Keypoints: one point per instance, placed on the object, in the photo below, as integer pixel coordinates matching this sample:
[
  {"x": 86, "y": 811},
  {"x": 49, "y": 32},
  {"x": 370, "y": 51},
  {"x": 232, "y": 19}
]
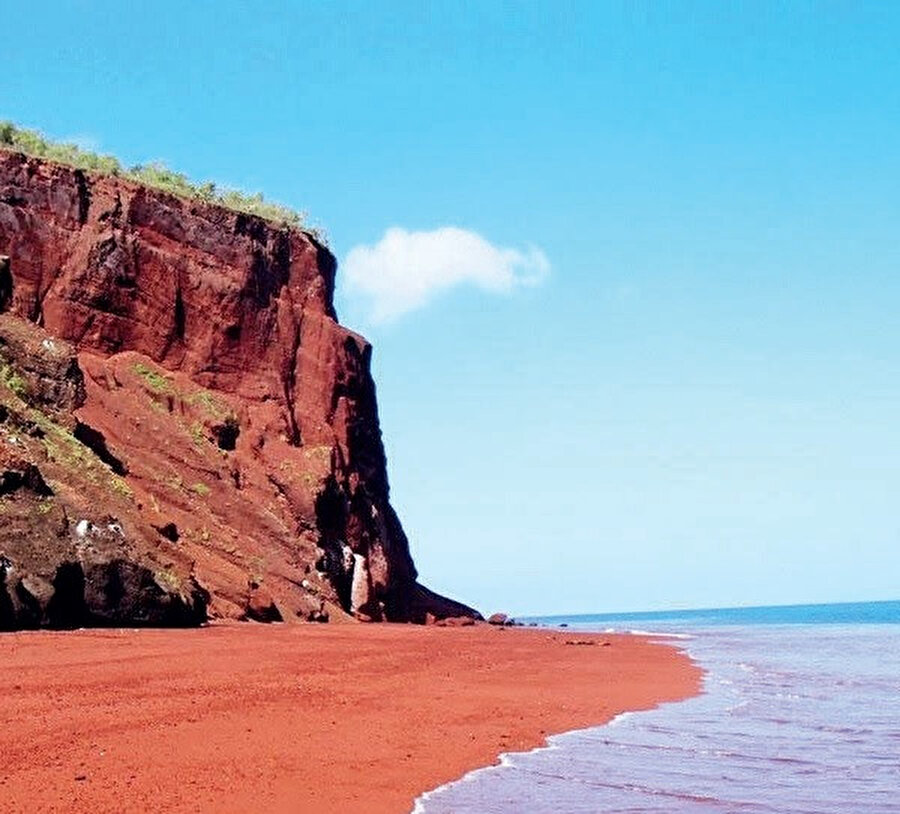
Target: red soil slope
[{"x": 322, "y": 719}]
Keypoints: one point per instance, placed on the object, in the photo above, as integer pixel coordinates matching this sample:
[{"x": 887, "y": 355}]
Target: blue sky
[{"x": 667, "y": 375}]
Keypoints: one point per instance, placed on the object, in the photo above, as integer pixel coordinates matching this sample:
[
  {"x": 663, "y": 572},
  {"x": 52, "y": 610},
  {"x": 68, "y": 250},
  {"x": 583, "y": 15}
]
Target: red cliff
[{"x": 232, "y": 419}]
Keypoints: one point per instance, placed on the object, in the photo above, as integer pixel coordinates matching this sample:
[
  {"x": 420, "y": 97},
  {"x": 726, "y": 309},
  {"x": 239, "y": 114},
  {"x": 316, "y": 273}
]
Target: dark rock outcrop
[
  {"x": 5, "y": 284},
  {"x": 66, "y": 557},
  {"x": 47, "y": 369},
  {"x": 214, "y": 395}
]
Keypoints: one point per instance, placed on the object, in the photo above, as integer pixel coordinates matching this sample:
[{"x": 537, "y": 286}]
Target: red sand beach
[{"x": 332, "y": 718}]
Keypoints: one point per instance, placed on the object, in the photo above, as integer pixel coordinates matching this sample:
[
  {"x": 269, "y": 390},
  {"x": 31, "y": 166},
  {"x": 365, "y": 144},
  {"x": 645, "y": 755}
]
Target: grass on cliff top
[{"x": 154, "y": 174}]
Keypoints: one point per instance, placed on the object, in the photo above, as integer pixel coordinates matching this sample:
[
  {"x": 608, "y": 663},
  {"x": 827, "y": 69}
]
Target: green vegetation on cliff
[{"x": 155, "y": 174}]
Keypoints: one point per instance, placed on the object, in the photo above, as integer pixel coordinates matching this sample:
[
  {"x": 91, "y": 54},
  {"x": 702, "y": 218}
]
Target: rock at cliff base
[{"x": 261, "y": 607}]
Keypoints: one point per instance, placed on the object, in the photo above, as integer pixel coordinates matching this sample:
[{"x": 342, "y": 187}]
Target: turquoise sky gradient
[{"x": 698, "y": 405}]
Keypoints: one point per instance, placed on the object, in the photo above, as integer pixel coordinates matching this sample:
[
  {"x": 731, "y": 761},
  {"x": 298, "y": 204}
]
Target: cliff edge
[{"x": 185, "y": 429}]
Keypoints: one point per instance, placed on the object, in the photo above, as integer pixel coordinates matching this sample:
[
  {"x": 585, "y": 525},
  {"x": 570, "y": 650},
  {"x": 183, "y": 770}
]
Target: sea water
[{"x": 800, "y": 715}]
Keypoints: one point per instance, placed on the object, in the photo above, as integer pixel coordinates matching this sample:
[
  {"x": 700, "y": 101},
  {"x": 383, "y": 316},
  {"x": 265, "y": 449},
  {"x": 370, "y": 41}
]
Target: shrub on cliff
[
  {"x": 33, "y": 143},
  {"x": 155, "y": 174}
]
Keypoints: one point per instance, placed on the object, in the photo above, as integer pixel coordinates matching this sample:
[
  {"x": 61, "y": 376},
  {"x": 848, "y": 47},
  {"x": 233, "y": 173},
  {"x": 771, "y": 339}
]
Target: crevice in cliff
[
  {"x": 112, "y": 277},
  {"x": 289, "y": 383},
  {"x": 227, "y": 433},
  {"x": 178, "y": 331},
  {"x": 279, "y": 486},
  {"x": 348, "y": 386},
  {"x": 113, "y": 215},
  {"x": 96, "y": 442},
  {"x": 36, "y": 312},
  {"x": 327, "y": 265},
  {"x": 250, "y": 225},
  {"x": 6, "y": 283},
  {"x": 268, "y": 275},
  {"x": 84, "y": 197},
  {"x": 180, "y": 316},
  {"x": 336, "y": 561}
]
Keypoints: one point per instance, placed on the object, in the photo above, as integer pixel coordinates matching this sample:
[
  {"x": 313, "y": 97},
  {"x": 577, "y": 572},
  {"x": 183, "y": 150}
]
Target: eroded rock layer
[{"x": 220, "y": 427}]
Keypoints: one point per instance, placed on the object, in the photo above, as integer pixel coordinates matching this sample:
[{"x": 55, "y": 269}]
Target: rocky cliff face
[{"x": 221, "y": 451}]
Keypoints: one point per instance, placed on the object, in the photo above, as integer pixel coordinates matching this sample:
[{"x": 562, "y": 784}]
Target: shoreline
[
  {"x": 331, "y": 718},
  {"x": 503, "y": 759}
]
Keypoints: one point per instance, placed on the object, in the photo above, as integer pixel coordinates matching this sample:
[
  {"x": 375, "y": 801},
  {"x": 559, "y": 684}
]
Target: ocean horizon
[
  {"x": 799, "y": 714},
  {"x": 882, "y": 611}
]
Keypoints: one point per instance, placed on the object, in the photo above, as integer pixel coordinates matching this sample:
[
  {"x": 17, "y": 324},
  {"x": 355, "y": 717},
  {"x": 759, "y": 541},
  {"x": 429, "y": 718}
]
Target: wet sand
[{"x": 331, "y": 718}]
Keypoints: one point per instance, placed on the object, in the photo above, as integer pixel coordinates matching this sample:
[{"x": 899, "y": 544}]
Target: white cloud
[{"x": 406, "y": 270}]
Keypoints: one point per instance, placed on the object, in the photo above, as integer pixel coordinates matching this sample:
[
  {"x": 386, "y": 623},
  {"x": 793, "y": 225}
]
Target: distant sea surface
[{"x": 800, "y": 715}]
